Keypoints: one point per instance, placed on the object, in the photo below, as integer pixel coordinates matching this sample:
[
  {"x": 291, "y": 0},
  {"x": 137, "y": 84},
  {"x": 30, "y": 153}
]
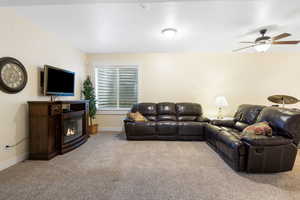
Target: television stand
[{"x": 54, "y": 132}]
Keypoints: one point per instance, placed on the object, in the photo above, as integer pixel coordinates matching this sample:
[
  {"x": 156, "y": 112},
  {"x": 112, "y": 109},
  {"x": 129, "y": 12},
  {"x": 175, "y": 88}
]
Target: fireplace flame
[{"x": 70, "y": 131}]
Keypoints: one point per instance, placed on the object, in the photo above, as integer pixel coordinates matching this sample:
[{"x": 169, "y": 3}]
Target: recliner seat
[{"x": 254, "y": 153}]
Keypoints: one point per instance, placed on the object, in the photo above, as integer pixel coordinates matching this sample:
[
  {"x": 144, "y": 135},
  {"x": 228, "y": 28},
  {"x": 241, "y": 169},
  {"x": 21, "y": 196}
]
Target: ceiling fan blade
[
  {"x": 243, "y": 48},
  {"x": 247, "y": 42},
  {"x": 285, "y": 42},
  {"x": 283, "y": 35}
]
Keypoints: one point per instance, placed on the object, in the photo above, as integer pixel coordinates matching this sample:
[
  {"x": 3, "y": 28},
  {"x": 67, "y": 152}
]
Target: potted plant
[{"x": 89, "y": 94}]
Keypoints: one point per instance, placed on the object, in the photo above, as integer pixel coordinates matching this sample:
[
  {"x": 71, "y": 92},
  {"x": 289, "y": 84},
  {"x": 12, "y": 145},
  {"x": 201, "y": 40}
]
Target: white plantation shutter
[
  {"x": 127, "y": 87},
  {"x": 116, "y": 87}
]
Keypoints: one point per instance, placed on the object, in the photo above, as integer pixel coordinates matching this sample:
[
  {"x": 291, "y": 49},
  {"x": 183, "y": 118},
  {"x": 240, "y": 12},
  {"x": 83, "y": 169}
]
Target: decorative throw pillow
[
  {"x": 131, "y": 115},
  {"x": 137, "y": 116},
  {"x": 261, "y": 128}
]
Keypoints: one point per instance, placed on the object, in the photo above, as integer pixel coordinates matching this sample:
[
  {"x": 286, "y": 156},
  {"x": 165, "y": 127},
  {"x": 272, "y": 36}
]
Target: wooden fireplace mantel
[{"x": 46, "y": 127}]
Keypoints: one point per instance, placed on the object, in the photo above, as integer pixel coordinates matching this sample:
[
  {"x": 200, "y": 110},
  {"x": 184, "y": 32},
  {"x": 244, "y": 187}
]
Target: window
[{"x": 116, "y": 87}]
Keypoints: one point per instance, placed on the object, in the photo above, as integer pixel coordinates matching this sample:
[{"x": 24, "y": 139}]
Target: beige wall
[
  {"x": 34, "y": 48},
  {"x": 110, "y": 122},
  {"x": 199, "y": 77}
]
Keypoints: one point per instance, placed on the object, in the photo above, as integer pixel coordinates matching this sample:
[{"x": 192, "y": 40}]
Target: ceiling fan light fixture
[
  {"x": 262, "y": 47},
  {"x": 263, "y": 43},
  {"x": 169, "y": 32}
]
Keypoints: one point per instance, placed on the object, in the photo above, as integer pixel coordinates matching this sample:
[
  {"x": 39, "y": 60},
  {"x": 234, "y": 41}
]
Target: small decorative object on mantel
[
  {"x": 89, "y": 94},
  {"x": 221, "y": 102},
  {"x": 13, "y": 75},
  {"x": 283, "y": 99}
]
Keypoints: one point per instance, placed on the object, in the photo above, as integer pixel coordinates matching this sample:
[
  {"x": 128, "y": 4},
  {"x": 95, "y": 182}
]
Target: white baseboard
[
  {"x": 115, "y": 129},
  {"x": 10, "y": 162}
]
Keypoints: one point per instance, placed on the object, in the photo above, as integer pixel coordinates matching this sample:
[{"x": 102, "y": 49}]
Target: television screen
[{"x": 58, "y": 82}]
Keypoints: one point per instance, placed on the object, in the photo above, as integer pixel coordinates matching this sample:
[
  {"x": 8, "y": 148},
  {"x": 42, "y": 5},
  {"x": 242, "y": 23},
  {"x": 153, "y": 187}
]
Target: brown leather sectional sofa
[{"x": 251, "y": 153}]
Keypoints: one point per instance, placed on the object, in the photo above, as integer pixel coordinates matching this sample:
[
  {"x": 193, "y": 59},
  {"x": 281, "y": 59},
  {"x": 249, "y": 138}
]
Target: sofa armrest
[
  {"x": 262, "y": 140},
  {"x": 223, "y": 122},
  {"x": 202, "y": 119},
  {"x": 128, "y": 120}
]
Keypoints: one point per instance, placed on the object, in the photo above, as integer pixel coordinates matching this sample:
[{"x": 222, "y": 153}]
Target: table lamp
[{"x": 220, "y": 102}]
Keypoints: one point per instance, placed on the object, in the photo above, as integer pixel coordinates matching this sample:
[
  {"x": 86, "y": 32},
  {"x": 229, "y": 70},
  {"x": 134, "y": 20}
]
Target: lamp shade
[{"x": 221, "y": 102}]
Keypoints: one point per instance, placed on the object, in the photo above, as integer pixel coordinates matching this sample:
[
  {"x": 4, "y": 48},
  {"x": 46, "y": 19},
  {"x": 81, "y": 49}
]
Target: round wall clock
[{"x": 13, "y": 75}]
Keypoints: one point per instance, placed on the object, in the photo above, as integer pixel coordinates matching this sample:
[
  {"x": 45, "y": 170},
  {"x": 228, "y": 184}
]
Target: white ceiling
[{"x": 103, "y": 26}]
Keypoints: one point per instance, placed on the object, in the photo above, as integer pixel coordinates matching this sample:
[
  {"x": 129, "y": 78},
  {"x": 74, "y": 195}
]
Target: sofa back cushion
[
  {"x": 148, "y": 110},
  {"x": 240, "y": 125},
  {"x": 166, "y": 111},
  {"x": 188, "y": 111},
  {"x": 247, "y": 113},
  {"x": 284, "y": 122}
]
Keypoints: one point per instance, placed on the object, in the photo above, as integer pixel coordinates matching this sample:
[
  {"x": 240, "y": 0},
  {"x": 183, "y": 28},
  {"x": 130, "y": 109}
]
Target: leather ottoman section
[
  {"x": 166, "y": 128},
  {"x": 191, "y": 129}
]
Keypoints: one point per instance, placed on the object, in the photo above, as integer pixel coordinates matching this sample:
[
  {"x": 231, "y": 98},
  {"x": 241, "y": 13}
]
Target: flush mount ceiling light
[{"x": 169, "y": 32}]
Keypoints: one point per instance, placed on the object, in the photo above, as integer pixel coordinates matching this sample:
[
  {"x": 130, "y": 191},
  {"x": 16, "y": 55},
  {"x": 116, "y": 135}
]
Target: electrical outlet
[{"x": 7, "y": 148}]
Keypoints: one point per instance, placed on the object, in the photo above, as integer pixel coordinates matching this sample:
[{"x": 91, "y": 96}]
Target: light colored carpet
[{"x": 108, "y": 167}]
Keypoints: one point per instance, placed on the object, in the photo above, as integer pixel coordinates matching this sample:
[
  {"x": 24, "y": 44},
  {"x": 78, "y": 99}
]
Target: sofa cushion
[
  {"x": 141, "y": 128},
  {"x": 166, "y": 128},
  {"x": 202, "y": 119},
  {"x": 166, "y": 118},
  {"x": 151, "y": 118},
  {"x": 260, "y": 128},
  {"x": 240, "y": 125},
  {"x": 189, "y": 109},
  {"x": 223, "y": 122},
  {"x": 166, "y": 108},
  {"x": 230, "y": 145},
  {"x": 190, "y": 128},
  {"x": 187, "y": 118},
  {"x": 145, "y": 109},
  {"x": 229, "y": 129},
  {"x": 248, "y": 113}
]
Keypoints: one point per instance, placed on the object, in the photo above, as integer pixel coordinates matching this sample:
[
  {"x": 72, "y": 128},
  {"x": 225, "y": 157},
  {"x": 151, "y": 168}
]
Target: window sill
[{"x": 112, "y": 112}]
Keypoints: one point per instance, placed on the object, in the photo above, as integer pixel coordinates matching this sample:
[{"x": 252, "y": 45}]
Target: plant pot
[{"x": 93, "y": 129}]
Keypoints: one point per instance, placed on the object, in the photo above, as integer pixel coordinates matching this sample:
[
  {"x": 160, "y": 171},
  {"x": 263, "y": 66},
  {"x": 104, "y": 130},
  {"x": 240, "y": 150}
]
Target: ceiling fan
[{"x": 263, "y": 43}]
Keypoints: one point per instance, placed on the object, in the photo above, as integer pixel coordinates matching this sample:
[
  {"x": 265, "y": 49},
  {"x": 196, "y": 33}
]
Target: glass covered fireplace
[{"x": 72, "y": 129}]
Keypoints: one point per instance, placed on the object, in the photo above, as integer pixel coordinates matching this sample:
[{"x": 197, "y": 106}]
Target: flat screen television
[{"x": 58, "y": 82}]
